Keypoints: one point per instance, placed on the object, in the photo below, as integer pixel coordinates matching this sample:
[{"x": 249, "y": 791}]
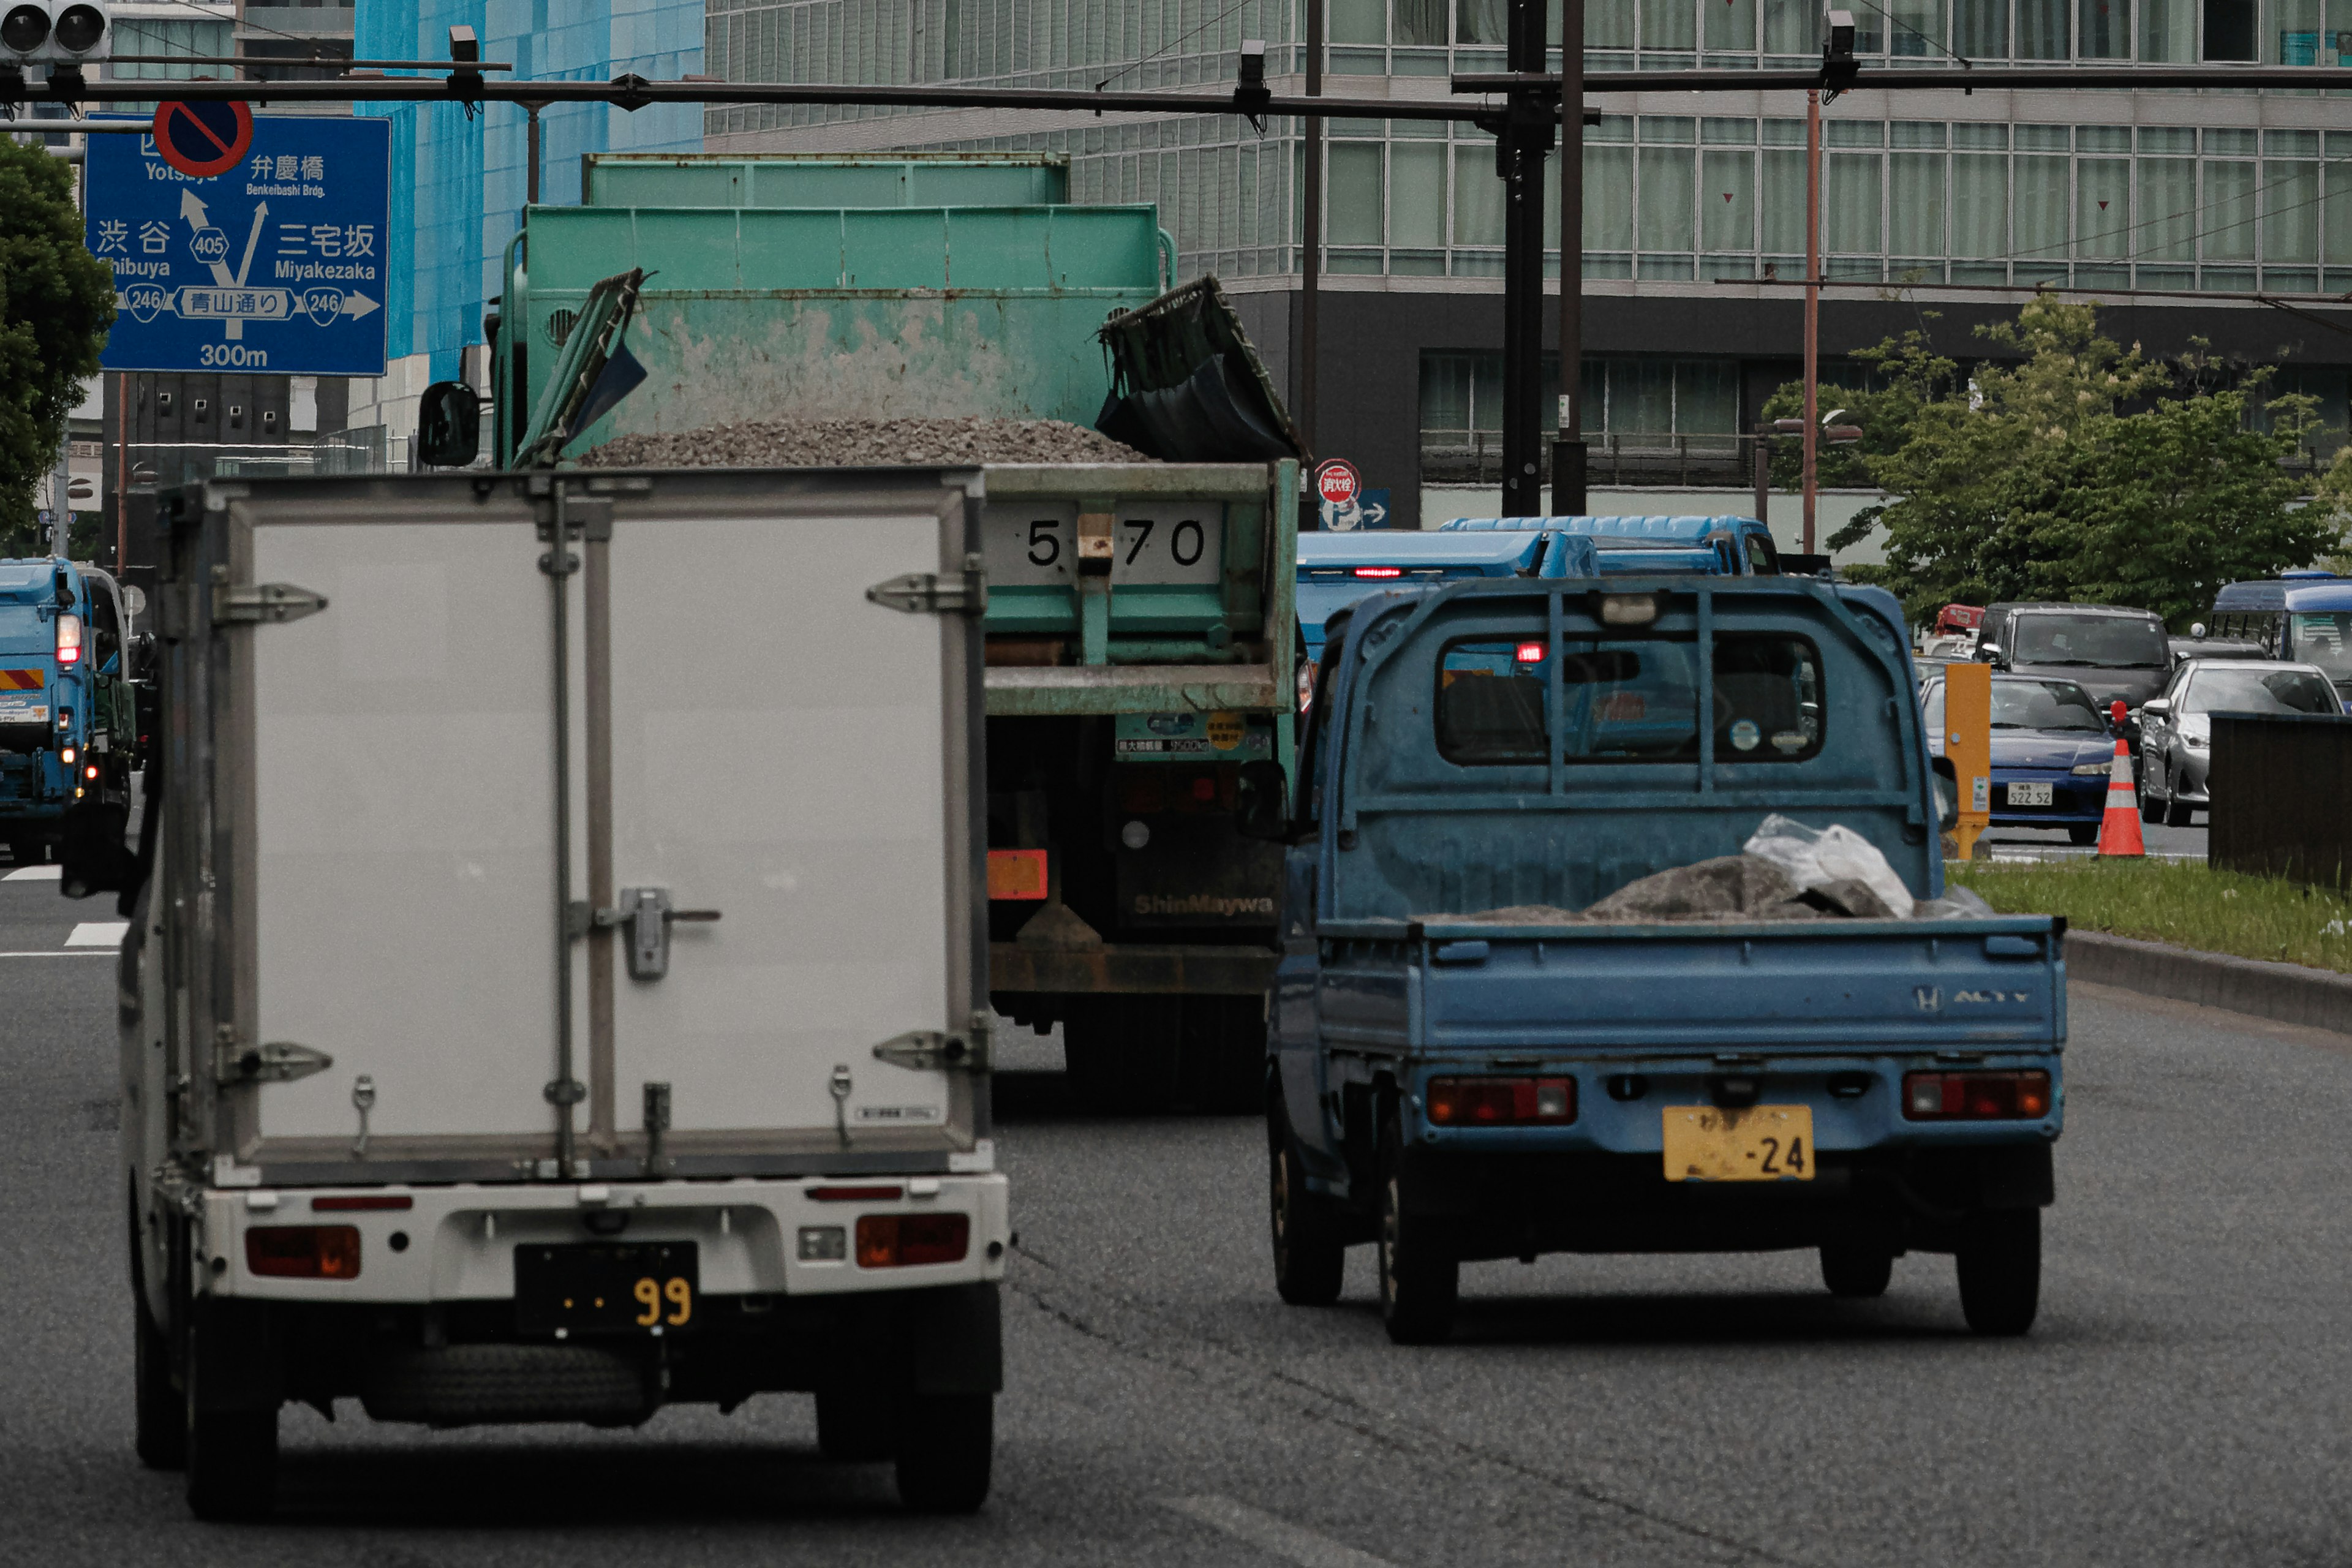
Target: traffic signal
[{"x": 56, "y": 31}]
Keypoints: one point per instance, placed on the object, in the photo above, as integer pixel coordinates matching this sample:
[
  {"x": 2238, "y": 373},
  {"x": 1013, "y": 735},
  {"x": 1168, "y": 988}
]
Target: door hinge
[
  {"x": 961, "y": 592},
  {"x": 275, "y": 603},
  {"x": 273, "y": 1061},
  {"x": 934, "y": 1048}
]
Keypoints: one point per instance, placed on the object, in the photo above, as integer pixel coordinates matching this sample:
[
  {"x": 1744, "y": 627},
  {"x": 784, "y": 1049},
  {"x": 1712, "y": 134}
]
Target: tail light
[
  {"x": 904, "y": 1240},
  {"x": 1380, "y": 571},
  {"x": 303, "y": 1251},
  {"x": 1975, "y": 1096},
  {"x": 68, "y": 639},
  {"x": 1502, "y": 1101},
  {"x": 1529, "y": 653}
]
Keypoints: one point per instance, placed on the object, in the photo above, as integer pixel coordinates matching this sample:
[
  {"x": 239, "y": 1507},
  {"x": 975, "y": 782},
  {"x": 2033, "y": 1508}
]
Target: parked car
[
  {"x": 2051, "y": 753},
  {"x": 2199, "y": 644},
  {"x": 2109, "y": 650},
  {"x": 2176, "y": 726}
]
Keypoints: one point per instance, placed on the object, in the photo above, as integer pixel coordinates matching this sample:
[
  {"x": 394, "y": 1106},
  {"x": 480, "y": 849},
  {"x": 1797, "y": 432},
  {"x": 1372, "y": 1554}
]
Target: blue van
[
  {"x": 1725, "y": 546},
  {"x": 1335, "y": 569},
  {"x": 2303, "y": 615}
]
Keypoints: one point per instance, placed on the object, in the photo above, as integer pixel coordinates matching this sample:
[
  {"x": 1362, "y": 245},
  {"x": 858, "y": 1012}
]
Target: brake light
[
  {"x": 1975, "y": 1096},
  {"x": 304, "y": 1251},
  {"x": 1380, "y": 571},
  {"x": 904, "y": 1240},
  {"x": 68, "y": 639},
  {"x": 1529, "y": 653},
  {"x": 363, "y": 1201},
  {"x": 90, "y": 772},
  {"x": 1502, "y": 1101}
]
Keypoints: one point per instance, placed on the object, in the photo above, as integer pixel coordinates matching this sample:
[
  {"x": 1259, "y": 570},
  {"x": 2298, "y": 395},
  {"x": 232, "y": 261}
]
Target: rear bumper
[
  {"x": 1131, "y": 969},
  {"x": 457, "y": 1244}
]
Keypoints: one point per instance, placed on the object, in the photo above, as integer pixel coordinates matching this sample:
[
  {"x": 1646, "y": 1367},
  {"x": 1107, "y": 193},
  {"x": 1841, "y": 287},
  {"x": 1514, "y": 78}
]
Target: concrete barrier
[{"x": 2286, "y": 992}]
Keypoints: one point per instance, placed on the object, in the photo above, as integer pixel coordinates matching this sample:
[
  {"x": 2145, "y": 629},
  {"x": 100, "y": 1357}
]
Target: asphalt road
[{"x": 2185, "y": 1398}]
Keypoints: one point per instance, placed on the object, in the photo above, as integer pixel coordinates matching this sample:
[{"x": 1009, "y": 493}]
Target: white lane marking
[
  {"x": 99, "y": 933},
  {"x": 71, "y": 952},
  {"x": 1268, "y": 1533},
  {"x": 34, "y": 874}
]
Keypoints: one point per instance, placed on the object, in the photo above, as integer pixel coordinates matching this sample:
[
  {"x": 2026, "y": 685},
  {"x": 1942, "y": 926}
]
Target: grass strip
[{"x": 2182, "y": 903}]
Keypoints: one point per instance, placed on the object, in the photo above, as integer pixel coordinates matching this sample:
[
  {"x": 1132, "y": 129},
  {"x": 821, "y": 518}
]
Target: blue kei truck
[
  {"x": 1468, "y": 1062},
  {"x": 69, "y": 725}
]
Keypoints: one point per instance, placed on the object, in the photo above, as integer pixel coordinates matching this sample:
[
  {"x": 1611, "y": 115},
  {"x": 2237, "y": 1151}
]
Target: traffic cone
[{"x": 2119, "y": 829}]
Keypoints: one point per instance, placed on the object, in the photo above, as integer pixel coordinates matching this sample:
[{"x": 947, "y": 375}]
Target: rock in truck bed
[{"x": 856, "y": 443}]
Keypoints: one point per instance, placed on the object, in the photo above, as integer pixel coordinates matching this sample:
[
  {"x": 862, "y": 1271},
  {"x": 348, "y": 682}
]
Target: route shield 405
[{"x": 277, "y": 263}]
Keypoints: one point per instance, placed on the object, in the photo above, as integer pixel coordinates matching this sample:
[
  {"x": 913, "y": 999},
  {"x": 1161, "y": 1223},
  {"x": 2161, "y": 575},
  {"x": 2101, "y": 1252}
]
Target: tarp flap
[{"x": 1189, "y": 386}]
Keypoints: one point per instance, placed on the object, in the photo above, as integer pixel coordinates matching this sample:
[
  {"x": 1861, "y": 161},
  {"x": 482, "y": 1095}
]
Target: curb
[{"x": 2289, "y": 993}]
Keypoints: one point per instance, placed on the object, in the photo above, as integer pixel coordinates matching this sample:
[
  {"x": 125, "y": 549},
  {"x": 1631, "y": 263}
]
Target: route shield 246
[{"x": 276, "y": 264}]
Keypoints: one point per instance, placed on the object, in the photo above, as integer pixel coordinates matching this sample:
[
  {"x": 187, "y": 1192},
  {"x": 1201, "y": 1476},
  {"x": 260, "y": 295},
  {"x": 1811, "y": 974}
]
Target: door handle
[{"x": 648, "y": 914}]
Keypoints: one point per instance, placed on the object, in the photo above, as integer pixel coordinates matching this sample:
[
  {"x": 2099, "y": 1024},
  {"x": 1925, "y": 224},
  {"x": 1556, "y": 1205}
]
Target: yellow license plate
[{"x": 1761, "y": 1143}]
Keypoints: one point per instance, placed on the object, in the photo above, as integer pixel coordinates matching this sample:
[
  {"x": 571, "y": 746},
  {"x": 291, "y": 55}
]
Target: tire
[
  {"x": 232, "y": 1463},
  {"x": 946, "y": 1443},
  {"x": 1420, "y": 1276},
  {"x": 163, "y": 1422},
  {"x": 1999, "y": 1265},
  {"x": 854, "y": 1428},
  {"x": 2175, "y": 810},
  {"x": 2151, "y": 809},
  {"x": 1124, "y": 1053},
  {"x": 2084, "y": 833},
  {"x": 27, "y": 849},
  {"x": 1857, "y": 1273},
  {"x": 1223, "y": 1065},
  {"x": 1309, "y": 1260}
]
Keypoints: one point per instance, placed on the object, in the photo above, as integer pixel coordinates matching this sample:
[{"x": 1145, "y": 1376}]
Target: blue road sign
[{"x": 276, "y": 264}]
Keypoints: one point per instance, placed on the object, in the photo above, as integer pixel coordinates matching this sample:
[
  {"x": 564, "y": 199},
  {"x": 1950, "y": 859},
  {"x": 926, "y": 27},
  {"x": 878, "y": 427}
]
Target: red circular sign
[
  {"x": 202, "y": 138},
  {"x": 1337, "y": 482}
]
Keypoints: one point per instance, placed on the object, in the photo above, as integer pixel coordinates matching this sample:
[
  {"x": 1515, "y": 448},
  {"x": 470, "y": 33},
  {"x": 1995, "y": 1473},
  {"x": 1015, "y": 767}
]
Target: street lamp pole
[
  {"x": 1812, "y": 306},
  {"x": 1310, "y": 301},
  {"x": 1567, "y": 495}
]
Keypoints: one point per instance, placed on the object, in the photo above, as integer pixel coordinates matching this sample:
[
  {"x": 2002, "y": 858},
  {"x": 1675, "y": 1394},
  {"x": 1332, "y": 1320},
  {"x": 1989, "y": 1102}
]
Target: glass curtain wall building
[{"x": 2213, "y": 191}]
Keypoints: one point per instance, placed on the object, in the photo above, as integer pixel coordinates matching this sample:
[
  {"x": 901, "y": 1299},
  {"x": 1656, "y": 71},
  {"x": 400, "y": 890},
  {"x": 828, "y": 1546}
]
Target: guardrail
[{"x": 2280, "y": 783}]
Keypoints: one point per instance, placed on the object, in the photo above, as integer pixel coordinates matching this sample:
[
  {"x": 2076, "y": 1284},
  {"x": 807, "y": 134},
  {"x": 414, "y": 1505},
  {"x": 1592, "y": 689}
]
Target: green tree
[
  {"x": 57, "y": 301},
  {"x": 2028, "y": 481}
]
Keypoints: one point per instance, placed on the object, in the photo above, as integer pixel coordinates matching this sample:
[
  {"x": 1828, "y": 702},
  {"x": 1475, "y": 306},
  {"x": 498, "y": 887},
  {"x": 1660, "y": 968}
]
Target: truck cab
[
  {"x": 1466, "y": 1064},
  {"x": 1725, "y": 546},
  {"x": 67, "y": 727}
]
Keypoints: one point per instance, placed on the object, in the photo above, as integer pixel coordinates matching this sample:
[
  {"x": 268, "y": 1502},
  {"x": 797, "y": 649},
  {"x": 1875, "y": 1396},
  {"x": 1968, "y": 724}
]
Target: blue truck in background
[
  {"x": 1726, "y": 546},
  {"x": 1462, "y": 1066},
  {"x": 68, "y": 723},
  {"x": 1335, "y": 569}
]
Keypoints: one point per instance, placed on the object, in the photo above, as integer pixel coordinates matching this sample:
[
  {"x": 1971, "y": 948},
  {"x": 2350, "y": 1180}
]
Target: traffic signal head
[{"x": 56, "y": 31}]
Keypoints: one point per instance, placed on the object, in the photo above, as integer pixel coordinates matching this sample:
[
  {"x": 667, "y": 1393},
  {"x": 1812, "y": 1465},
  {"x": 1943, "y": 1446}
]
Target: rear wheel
[
  {"x": 232, "y": 1462},
  {"x": 1856, "y": 1272},
  {"x": 2151, "y": 805},
  {"x": 853, "y": 1428},
  {"x": 1309, "y": 1261},
  {"x": 2175, "y": 810},
  {"x": 946, "y": 1443},
  {"x": 163, "y": 1424},
  {"x": 1124, "y": 1052},
  {"x": 27, "y": 849},
  {"x": 1420, "y": 1276},
  {"x": 1999, "y": 1265}
]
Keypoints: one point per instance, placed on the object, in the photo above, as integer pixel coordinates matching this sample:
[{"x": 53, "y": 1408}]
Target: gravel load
[{"x": 856, "y": 443}]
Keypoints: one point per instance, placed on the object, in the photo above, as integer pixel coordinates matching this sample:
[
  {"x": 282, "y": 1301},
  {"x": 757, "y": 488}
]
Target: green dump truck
[{"x": 1140, "y": 628}]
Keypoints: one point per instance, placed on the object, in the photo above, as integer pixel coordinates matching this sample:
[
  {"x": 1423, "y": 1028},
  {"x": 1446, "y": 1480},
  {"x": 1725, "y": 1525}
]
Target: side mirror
[
  {"x": 62, "y": 588},
  {"x": 1947, "y": 801},
  {"x": 93, "y": 857},
  {"x": 2157, "y": 707},
  {"x": 449, "y": 425},
  {"x": 1258, "y": 799},
  {"x": 1989, "y": 653}
]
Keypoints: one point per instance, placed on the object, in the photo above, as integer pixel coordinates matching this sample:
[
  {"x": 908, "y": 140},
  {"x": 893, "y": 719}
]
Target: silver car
[{"x": 2177, "y": 724}]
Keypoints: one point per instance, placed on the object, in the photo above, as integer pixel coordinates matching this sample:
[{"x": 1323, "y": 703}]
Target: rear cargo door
[{"x": 791, "y": 785}]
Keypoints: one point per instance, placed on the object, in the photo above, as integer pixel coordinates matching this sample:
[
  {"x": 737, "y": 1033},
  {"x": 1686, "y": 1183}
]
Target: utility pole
[
  {"x": 531, "y": 109},
  {"x": 1812, "y": 306},
  {"x": 1311, "y": 139},
  {"x": 1523, "y": 138},
  {"x": 1568, "y": 498}
]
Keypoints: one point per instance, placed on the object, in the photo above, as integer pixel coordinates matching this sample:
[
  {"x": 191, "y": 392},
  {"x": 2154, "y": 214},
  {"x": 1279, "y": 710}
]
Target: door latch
[{"x": 646, "y": 915}]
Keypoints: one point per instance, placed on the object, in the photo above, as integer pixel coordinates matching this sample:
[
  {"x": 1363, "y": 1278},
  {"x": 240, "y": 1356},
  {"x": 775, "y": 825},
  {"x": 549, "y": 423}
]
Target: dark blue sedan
[{"x": 2051, "y": 753}]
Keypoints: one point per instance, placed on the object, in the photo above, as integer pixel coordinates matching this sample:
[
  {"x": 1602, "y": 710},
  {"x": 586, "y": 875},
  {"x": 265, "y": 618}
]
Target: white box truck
[{"x": 556, "y": 984}]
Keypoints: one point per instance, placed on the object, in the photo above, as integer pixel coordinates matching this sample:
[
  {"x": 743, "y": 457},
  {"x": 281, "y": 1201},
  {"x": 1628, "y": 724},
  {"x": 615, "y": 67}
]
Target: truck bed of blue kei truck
[{"x": 1564, "y": 969}]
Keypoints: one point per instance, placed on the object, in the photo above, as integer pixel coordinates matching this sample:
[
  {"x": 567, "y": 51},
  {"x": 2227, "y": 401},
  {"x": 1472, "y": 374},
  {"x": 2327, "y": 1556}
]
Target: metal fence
[{"x": 2281, "y": 783}]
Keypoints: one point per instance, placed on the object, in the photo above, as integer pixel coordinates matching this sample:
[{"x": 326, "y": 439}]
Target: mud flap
[
  {"x": 953, "y": 1339},
  {"x": 236, "y": 1364}
]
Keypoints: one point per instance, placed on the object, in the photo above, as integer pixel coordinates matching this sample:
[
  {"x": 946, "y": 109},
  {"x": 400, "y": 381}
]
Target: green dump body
[
  {"x": 833, "y": 312},
  {"x": 828, "y": 180}
]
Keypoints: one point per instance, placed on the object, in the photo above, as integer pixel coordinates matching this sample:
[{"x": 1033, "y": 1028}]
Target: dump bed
[{"x": 526, "y": 858}]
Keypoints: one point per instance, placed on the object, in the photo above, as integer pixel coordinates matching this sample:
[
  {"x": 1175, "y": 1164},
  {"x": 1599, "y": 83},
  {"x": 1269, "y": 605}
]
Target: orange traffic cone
[{"x": 2119, "y": 829}]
